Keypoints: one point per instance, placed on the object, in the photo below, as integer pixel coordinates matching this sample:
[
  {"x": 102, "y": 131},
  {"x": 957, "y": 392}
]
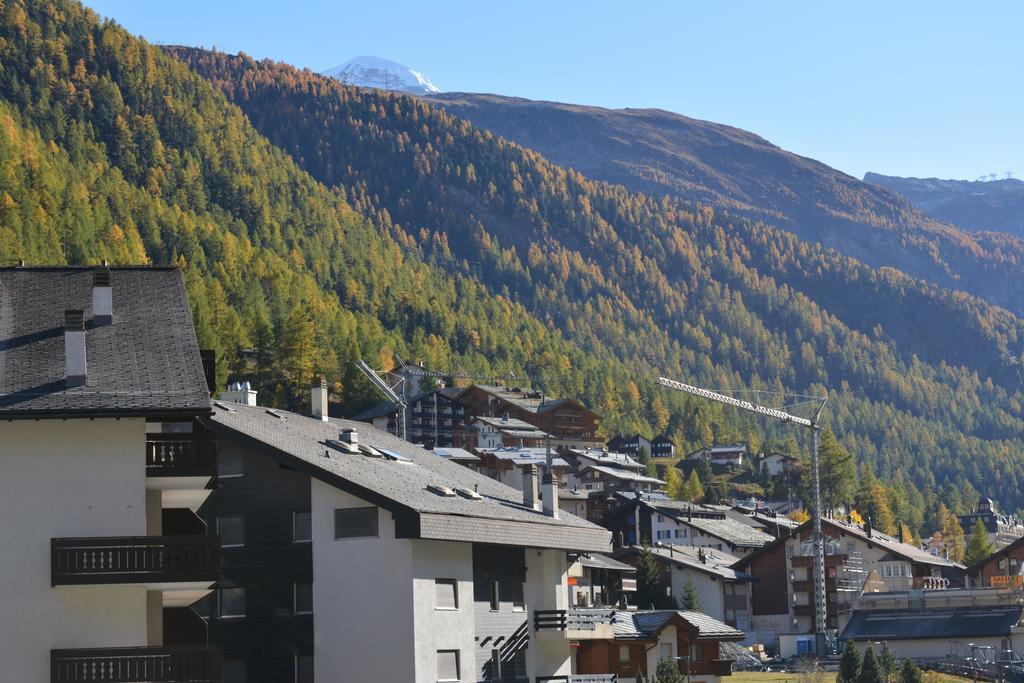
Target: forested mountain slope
[
  {"x": 996, "y": 205},
  {"x": 659, "y": 152},
  {"x": 922, "y": 379}
]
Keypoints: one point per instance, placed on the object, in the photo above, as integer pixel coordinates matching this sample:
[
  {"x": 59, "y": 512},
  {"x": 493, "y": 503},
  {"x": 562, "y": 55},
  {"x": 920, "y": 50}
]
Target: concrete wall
[
  {"x": 709, "y": 590},
  {"x": 436, "y": 629},
  {"x": 546, "y": 573},
  {"x": 66, "y": 479},
  {"x": 363, "y": 627}
]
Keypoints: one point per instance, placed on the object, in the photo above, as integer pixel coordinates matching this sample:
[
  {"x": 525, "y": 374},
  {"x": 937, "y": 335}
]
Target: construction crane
[
  {"x": 817, "y": 541},
  {"x": 394, "y": 393}
]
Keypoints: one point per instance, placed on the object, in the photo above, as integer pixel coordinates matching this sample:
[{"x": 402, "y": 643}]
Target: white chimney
[
  {"x": 531, "y": 499},
  {"x": 550, "y": 491},
  {"x": 350, "y": 436},
  {"x": 102, "y": 296},
  {"x": 239, "y": 392},
  {"x": 74, "y": 348},
  {"x": 318, "y": 398}
]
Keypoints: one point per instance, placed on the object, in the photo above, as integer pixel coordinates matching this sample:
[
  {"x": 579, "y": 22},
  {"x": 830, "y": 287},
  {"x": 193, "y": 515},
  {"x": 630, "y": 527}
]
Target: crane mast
[
  {"x": 817, "y": 540},
  {"x": 390, "y": 391}
]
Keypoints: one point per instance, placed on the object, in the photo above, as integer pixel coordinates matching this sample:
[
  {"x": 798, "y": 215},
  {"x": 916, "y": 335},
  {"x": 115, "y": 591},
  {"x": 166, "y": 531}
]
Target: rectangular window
[
  {"x": 518, "y": 597},
  {"x": 666, "y": 651},
  {"x": 303, "y": 668},
  {"x": 446, "y": 594},
  {"x": 696, "y": 652},
  {"x": 495, "y": 595},
  {"x": 303, "y": 598},
  {"x": 232, "y": 531},
  {"x": 355, "y": 522},
  {"x": 447, "y": 665},
  {"x": 231, "y": 602},
  {"x": 230, "y": 464},
  {"x": 302, "y": 527},
  {"x": 624, "y": 654}
]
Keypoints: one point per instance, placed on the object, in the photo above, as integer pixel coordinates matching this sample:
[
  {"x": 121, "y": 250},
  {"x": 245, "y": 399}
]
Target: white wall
[
  {"x": 442, "y": 629},
  {"x": 546, "y": 573},
  {"x": 363, "y": 624},
  {"x": 66, "y": 479},
  {"x": 709, "y": 590}
]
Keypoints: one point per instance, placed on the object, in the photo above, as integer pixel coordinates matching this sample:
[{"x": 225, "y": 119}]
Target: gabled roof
[
  {"x": 646, "y": 625},
  {"x": 621, "y": 474},
  {"x": 513, "y": 427},
  {"x": 404, "y": 488},
  {"x": 734, "y": 533},
  {"x": 530, "y": 401},
  {"x": 603, "y": 457},
  {"x": 717, "y": 564},
  {"x": 942, "y": 624},
  {"x": 975, "y": 568},
  {"x": 522, "y": 456},
  {"x": 146, "y": 362}
]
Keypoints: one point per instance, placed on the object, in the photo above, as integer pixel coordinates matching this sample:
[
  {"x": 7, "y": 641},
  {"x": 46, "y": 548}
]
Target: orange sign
[
  {"x": 1007, "y": 581},
  {"x": 571, "y": 580}
]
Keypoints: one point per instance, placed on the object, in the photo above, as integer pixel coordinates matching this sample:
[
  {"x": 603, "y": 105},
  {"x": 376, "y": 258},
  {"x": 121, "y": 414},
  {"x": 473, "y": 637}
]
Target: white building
[
  {"x": 423, "y": 570},
  {"x": 103, "y": 466},
  {"x": 731, "y": 455}
]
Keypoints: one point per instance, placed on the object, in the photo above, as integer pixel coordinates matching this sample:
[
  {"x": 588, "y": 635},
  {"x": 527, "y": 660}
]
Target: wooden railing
[
  {"x": 180, "y": 455},
  {"x": 134, "y": 559},
  {"x": 573, "y": 619},
  {"x": 179, "y": 664}
]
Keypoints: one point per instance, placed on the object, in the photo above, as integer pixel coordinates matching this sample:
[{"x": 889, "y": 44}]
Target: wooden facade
[{"x": 567, "y": 420}]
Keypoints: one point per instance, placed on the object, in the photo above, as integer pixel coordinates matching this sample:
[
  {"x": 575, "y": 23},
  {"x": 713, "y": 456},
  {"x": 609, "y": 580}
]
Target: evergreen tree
[
  {"x": 978, "y": 545},
  {"x": 952, "y": 534},
  {"x": 849, "y": 664},
  {"x": 704, "y": 471},
  {"x": 692, "y": 490},
  {"x": 668, "y": 672},
  {"x": 870, "y": 671},
  {"x": 909, "y": 673},
  {"x": 837, "y": 471},
  {"x": 673, "y": 483},
  {"x": 887, "y": 663},
  {"x": 689, "y": 599},
  {"x": 650, "y": 582}
]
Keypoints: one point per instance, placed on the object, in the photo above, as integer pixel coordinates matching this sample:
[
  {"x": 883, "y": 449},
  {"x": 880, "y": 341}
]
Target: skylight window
[
  {"x": 224, "y": 406},
  {"x": 468, "y": 493},
  {"x": 395, "y": 455},
  {"x": 441, "y": 490},
  {"x": 274, "y": 413},
  {"x": 343, "y": 446}
]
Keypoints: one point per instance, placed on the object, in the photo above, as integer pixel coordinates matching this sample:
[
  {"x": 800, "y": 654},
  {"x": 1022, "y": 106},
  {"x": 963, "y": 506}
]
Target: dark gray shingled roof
[
  {"x": 943, "y": 624},
  {"x": 647, "y": 625},
  {"x": 146, "y": 363},
  {"x": 499, "y": 517}
]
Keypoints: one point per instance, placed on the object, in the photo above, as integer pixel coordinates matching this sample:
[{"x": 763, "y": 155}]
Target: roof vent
[
  {"x": 274, "y": 413},
  {"x": 102, "y": 296},
  {"x": 343, "y": 446},
  {"x": 468, "y": 493},
  {"x": 441, "y": 490},
  {"x": 74, "y": 348},
  {"x": 350, "y": 436}
]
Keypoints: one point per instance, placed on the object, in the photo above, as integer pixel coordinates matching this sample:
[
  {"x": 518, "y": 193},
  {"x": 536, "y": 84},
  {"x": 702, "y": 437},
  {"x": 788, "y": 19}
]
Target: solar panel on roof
[{"x": 394, "y": 455}]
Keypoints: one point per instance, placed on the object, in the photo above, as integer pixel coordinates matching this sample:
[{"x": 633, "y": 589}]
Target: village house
[
  {"x": 1002, "y": 529},
  {"x": 401, "y": 565},
  {"x": 631, "y": 444},
  {"x": 731, "y": 455},
  {"x": 569, "y": 422},
  {"x": 855, "y": 557},
  {"x": 778, "y": 464},
  {"x": 1003, "y": 568},
  {"x": 662, "y": 447},
  {"x": 488, "y": 433},
  {"x": 102, "y": 385}
]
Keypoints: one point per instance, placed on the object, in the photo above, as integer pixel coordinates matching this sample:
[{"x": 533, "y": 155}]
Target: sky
[{"x": 925, "y": 89}]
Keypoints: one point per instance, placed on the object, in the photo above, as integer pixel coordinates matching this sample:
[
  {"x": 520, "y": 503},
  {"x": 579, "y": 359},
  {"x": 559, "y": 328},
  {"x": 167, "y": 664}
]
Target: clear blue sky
[{"x": 931, "y": 88}]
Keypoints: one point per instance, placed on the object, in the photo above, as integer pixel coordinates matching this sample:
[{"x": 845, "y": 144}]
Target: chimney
[
  {"x": 867, "y": 525},
  {"x": 239, "y": 392},
  {"x": 530, "y": 497},
  {"x": 74, "y": 348},
  {"x": 318, "y": 398},
  {"x": 102, "y": 296},
  {"x": 550, "y": 491},
  {"x": 350, "y": 436}
]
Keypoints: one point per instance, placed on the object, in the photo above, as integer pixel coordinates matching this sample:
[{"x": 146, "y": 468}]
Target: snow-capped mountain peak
[{"x": 374, "y": 72}]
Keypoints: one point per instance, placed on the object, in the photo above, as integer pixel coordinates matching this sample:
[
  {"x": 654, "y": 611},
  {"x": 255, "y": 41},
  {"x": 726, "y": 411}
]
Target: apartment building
[
  {"x": 399, "y": 565},
  {"x": 1002, "y": 529},
  {"x": 104, "y": 463},
  {"x": 569, "y": 422},
  {"x": 857, "y": 559}
]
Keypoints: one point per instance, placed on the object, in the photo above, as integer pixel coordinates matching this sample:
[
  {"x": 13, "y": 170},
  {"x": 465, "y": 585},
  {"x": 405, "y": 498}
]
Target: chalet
[
  {"x": 505, "y": 432},
  {"x": 421, "y": 570},
  {"x": 570, "y": 423},
  {"x": 856, "y": 558},
  {"x": 722, "y": 592},
  {"x": 778, "y": 464},
  {"x": 632, "y": 444},
  {"x": 662, "y": 447},
  {"x": 643, "y": 639},
  {"x": 580, "y": 457},
  {"x": 731, "y": 455},
  {"x": 1004, "y": 567},
  {"x": 102, "y": 386},
  {"x": 1002, "y": 529},
  {"x": 611, "y": 479},
  {"x": 511, "y": 465}
]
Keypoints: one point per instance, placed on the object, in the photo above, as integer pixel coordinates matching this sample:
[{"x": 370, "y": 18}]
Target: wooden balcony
[
  {"x": 135, "y": 559},
  {"x": 180, "y": 664},
  {"x": 181, "y": 455},
  {"x": 577, "y": 623}
]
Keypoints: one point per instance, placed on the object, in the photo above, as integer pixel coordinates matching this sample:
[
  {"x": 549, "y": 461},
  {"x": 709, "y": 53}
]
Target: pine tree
[
  {"x": 692, "y": 490},
  {"x": 978, "y": 545},
  {"x": 650, "y": 584},
  {"x": 668, "y": 672},
  {"x": 887, "y": 663},
  {"x": 849, "y": 664},
  {"x": 838, "y": 473},
  {"x": 952, "y": 534},
  {"x": 673, "y": 483},
  {"x": 909, "y": 673},
  {"x": 689, "y": 599},
  {"x": 870, "y": 671}
]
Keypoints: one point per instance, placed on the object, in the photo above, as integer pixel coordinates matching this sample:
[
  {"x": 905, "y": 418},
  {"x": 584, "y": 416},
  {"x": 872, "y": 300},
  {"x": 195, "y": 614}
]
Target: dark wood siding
[
  {"x": 506, "y": 629},
  {"x": 770, "y": 590},
  {"x": 270, "y": 635}
]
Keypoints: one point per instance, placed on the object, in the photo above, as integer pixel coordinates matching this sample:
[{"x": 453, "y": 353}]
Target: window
[
  {"x": 624, "y": 654},
  {"x": 232, "y": 602},
  {"x": 355, "y": 522},
  {"x": 447, "y": 665},
  {"x": 666, "y": 651},
  {"x": 495, "y": 673},
  {"x": 234, "y": 671},
  {"x": 230, "y": 464},
  {"x": 303, "y": 598},
  {"x": 518, "y": 599},
  {"x": 446, "y": 594},
  {"x": 696, "y": 652},
  {"x": 232, "y": 531},
  {"x": 495, "y": 597},
  {"x": 302, "y": 527},
  {"x": 303, "y": 669}
]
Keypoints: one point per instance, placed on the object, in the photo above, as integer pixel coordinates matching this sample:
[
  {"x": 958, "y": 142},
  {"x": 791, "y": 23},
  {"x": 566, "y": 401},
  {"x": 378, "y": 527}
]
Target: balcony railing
[
  {"x": 573, "y": 619},
  {"x": 182, "y": 664},
  {"x": 180, "y": 455},
  {"x": 579, "y": 678},
  {"x": 134, "y": 559}
]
